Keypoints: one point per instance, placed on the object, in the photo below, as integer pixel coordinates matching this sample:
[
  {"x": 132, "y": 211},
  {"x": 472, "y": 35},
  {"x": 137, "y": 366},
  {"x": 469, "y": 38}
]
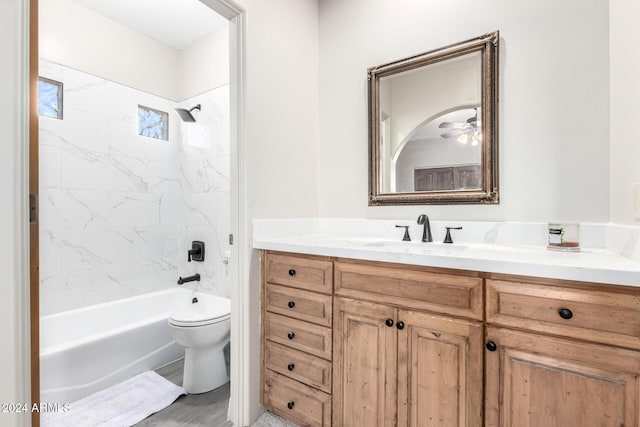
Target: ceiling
[
  {"x": 432, "y": 130},
  {"x": 175, "y": 23}
]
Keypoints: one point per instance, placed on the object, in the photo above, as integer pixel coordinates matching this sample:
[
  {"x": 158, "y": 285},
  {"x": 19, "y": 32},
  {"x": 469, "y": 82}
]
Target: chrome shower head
[{"x": 186, "y": 115}]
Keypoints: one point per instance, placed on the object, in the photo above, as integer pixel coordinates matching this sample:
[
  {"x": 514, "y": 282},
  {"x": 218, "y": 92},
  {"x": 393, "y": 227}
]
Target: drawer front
[
  {"x": 411, "y": 288},
  {"x": 300, "y": 335},
  {"x": 296, "y": 402},
  {"x": 312, "y": 274},
  {"x": 300, "y": 304},
  {"x": 589, "y": 312},
  {"x": 299, "y": 366}
]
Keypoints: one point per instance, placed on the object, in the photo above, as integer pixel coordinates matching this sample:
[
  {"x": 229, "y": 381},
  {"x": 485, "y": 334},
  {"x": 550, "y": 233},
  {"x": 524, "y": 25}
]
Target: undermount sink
[
  {"x": 425, "y": 247},
  {"x": 408, "y": 246}
]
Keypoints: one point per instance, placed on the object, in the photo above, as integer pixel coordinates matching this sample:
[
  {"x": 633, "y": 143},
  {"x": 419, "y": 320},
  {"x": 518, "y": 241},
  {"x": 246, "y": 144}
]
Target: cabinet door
[
  {"x": 439, "y": 371},
  {"x": 364, "y": 364},
  {"x": 540, "y": 381}
]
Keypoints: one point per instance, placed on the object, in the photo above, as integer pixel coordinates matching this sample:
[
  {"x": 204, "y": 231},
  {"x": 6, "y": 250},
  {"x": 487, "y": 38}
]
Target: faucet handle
[
  {"x": 196, "y": 253},
  {"x": 406, "y": 237},
  {"x": 447, "y": 237}
]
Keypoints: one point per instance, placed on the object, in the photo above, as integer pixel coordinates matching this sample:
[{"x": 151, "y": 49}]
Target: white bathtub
[{"x": 88, "y": 349}]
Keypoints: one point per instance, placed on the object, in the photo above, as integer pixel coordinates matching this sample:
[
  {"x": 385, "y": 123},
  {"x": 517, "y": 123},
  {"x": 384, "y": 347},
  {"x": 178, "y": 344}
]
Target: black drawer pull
[
  {"x": 291, "y": 366},
  {"x": 389, "y": 322},
  {"x": 565, "y": 313},
  {"x": 292, "y": 272},
  {"x": 291, "y": 335},
  {"x": 290, "y": 405},
  {"x": 491, "y": 346},
  {"x": 291, "y": 304},
  {"x": 400, "y": 325}
]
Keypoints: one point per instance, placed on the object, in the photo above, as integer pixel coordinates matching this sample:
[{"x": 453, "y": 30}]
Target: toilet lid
[{"x": 205, "y": 311}]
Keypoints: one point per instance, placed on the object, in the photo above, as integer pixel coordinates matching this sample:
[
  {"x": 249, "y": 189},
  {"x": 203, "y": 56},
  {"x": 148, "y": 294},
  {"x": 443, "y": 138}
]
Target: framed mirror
[{"x": 433, "y": 126}]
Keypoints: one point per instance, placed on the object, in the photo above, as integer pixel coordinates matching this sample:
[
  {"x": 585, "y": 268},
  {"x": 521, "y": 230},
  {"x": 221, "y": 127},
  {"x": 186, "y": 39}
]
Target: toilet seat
[{"x": 200, "y": 313}]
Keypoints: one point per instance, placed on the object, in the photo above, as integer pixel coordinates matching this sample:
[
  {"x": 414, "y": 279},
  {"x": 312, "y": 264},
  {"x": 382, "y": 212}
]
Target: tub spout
[{"x": 183, "y": 280}]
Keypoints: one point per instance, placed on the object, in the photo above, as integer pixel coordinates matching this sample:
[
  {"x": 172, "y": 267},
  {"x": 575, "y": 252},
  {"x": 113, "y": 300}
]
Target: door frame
[
  {"x": 34, "y": 224},
  {"x": 242, "y": 409}
]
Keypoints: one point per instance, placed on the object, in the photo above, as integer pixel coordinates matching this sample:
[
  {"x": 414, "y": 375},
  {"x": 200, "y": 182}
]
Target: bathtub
[{"x": 91, "y": 348}]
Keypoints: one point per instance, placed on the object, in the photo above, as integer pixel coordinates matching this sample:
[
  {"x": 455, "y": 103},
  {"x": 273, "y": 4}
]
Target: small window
[
  {"x": 49, "y": 98},
  {"x": 153, "y": 123}
]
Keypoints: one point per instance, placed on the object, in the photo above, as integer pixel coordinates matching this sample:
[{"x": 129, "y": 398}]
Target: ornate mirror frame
[{"x": 487, "y": 45}]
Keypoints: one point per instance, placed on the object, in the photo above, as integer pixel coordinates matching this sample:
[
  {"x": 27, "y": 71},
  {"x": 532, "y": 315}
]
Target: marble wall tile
[
  {"x": 50, "y": 166},
  {"x": 119, "y": 211}
]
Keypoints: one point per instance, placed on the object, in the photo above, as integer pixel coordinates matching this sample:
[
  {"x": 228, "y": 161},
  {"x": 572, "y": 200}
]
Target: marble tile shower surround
[{"x": 118, "y": 211}]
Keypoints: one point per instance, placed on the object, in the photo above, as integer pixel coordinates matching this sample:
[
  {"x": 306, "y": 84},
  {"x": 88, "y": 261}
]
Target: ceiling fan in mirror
[{"x": 464, "y": 132}]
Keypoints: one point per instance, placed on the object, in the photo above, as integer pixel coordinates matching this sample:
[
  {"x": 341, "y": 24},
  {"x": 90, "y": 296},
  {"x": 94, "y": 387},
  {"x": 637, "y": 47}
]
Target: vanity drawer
[
  {"x": 299, "y": 366},
  {"x": 300, "y": 304},
  {"x": 296, "y": 402},
  {"x": 601, "y": 313},
  {"x": 308, "y": 273},
  {"x": 412, "y": 287},
  {"x": 297, "y": 334}
]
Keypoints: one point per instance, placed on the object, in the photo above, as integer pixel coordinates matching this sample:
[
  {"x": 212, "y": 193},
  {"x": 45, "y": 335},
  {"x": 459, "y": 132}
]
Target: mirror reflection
[{"x": 432, "y": 126}]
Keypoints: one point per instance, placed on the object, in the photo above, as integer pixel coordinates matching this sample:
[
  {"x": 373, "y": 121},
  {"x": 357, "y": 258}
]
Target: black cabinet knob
[
  {"x": 291, "y": 366},
  {"x": 389, "y": 322},
  {"x": 290, "y": 335},
  {"x": 291, "y": 304},
  {"x": 290, "y": 405},
  {"x": 400, "y": 325},
  {"x": 491, "y": 346},
  {"x": 292, "y": 272},
  {"x": 565, "y": 313}
]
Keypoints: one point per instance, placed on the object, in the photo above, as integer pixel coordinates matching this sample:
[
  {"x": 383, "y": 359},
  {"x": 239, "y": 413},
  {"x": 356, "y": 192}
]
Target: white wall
[
  {"x": 453, "y": 83},
  {"x": 282, "y": 108},
  {"x": 204, "y": 65},
  {"x": 128, "y": 57},
  {"x": 14, "y": 354},
  {"x": 80, "y": 38},
  {"x": 554, "y": 104},
  {"x": 281, "y": 137},
  {"x": 625, "y": 108}
]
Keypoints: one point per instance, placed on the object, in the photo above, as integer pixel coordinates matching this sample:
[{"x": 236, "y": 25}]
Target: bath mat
[
  {"x": 271, "y": 420},
  {"x": 121, "y": 405}
]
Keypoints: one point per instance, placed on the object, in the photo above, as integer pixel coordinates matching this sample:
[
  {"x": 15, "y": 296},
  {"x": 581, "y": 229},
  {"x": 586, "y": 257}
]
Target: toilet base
[{"x": 204, "y": 369}]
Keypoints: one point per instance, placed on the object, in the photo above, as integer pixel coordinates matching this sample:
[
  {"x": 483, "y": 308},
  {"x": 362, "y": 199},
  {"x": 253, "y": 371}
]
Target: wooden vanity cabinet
[
  {"x": 355, "y": 343},
  {"x": 535, "y": 380},
  {"x": 556, "y": 356},
  {"x": 397, "y": 366},
  {"x": 296, "y": 348}
]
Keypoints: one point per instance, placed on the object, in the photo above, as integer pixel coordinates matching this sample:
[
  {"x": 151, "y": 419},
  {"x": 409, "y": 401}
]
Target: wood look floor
[{"x": 206, "y": 409}]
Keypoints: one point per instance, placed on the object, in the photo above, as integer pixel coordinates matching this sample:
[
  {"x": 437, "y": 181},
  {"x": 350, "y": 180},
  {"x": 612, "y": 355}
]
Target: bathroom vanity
[{"x": 363, "y": 342}]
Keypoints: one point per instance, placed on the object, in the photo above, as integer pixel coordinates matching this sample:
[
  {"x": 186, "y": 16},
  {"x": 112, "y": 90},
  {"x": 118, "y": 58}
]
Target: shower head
[{"x": 186, "y": 115}]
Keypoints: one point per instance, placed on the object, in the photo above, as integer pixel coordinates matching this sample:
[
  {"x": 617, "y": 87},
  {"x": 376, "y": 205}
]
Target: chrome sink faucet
[{"x": 426, "y": 229}]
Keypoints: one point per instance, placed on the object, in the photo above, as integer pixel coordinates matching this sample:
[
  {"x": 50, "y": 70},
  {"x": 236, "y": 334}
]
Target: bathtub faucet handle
[{"x": 196, "y": 253}]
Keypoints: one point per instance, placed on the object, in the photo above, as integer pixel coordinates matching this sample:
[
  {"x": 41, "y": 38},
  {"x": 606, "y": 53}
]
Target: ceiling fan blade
[
  {"x": 451, "y": 125},
  {"x": 452, "y": 134}
]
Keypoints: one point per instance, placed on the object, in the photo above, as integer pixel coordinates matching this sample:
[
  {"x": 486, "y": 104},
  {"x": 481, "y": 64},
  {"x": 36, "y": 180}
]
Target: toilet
[{"x": 203, "y": 327}]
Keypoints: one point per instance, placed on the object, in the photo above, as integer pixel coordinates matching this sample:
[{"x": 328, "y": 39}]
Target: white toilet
[{"x": 203, "y": 327}]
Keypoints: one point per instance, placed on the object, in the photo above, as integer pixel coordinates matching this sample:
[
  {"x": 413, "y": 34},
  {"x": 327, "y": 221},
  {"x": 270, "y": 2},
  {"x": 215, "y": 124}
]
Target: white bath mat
[
  {"x": 271, "y": 420},
  {"x": 121, "y": 405}
]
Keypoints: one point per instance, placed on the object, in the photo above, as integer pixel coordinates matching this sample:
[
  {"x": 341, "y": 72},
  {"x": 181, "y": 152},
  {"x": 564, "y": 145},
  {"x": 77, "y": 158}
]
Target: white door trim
[
  {"x": 241, "y": 407},
  {"x": 15, "y": 189}
]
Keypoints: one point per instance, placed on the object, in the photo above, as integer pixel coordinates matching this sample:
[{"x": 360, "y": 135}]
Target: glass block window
[
  {"x": 153, "y": 123},
  {"x": 49, "y": 98}
]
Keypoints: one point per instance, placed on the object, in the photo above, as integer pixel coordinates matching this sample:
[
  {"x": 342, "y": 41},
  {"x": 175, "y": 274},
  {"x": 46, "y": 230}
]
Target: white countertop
[{"x": 590, "y": 265}]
